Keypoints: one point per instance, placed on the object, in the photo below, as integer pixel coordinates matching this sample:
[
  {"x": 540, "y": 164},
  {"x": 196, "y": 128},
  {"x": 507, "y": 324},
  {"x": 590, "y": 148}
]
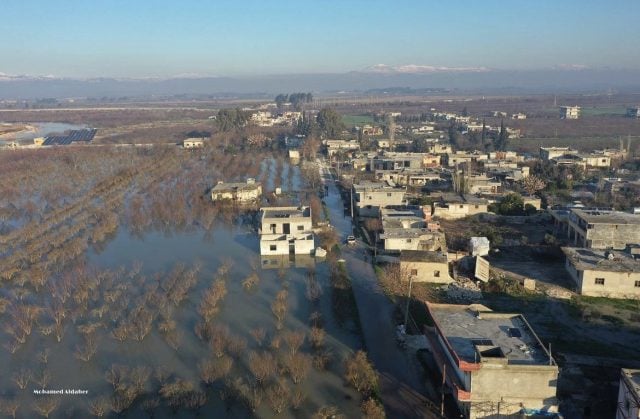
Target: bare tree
[
  {"x": 279, "y": 308},
  {"x": 297, "y": 398},
  {"x": 258, "y": 335},
  {"x": 44, "y": 406},
  {"x": 298, "y": 366},
  {"x": 316, "y": 336},
  {"x": 87, "y": 350},
  {"x": 294, "y": 341},
  {"x": 328, "y": 412},
  {"x": 359, "y": 373},
  {"x": 215, "y": 369},
  {"x": 278, "y": 395},
  {"x": 43, "y": 378},
  {"x": 99, "y": 407},
  {"x": 262, "y": 365},
  {"x": 532, "y": 184},
  {"x": 10, "y": 406},
  {"x": 22, "y": 378},
  {"x": 371, "y": 409}
]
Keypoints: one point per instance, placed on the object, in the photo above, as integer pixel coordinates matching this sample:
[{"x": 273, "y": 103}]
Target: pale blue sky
[{"x": 136, "y": 38}]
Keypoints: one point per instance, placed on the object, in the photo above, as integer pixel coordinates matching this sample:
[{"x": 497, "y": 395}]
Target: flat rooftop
[
  {"x": 451, "y": 198},
  {"x": 368, "y": 185},
  {"x": 597, "y": 260},
  {"x": 409, "y": 233},
  {"x": 235, "y": 186},
  {"x": 285, "y": 212},
  {"x": 634, "y": 378},
  {"x": 422, "y": 256},
  {"x": 606, "y": 217},
  {"x": 468, "y": 326}
]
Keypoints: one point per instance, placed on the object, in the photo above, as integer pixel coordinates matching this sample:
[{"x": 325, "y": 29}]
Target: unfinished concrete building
[
  {"x": 424, "y": 266},
  {"x": 247, "y": 192},
  {"x": 369, "y": 197},
  {"x": 629, "y": 394},
  {"x": 453, "y": 206},
  {"x": 286, "y": 231},
  {"x": 603, "y": 229},
  {"x": 407, "y": 229},
  {"x": 604, "y": 273},
  {"x": 493, "y": 363}
]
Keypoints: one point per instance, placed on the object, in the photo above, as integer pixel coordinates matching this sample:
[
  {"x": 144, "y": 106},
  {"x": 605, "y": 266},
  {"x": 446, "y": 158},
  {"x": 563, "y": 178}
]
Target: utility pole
[
  {"x": 406, "y": 311},
  {"x": 444, "y": 382},
  {"x": 351, "y": 201}
]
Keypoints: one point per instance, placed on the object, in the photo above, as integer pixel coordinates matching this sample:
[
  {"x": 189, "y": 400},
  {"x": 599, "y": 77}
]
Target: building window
[
  {"x": 477, "y": 206},
  {"x": 300, "y": 227},
  {"x": 599, "y": 281},
  {"x": 637, "y": 284},
  {"x": 461, "y": 206},
  {"x": 436, "y": 274},
  {"x": 388, "y": 193},
  {"x": 414, "y": 272},
  {"x": 408, "y": 240},
  {"x": 272, "y": 247}
]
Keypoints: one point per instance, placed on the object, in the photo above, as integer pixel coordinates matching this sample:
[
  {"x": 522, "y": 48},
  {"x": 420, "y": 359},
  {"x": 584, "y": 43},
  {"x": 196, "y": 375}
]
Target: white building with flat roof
[{"x": 286, "y": 230}]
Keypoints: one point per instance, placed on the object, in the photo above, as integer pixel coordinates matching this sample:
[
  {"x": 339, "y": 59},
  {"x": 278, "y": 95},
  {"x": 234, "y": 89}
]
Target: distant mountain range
[{"x": 416, "y": 79}]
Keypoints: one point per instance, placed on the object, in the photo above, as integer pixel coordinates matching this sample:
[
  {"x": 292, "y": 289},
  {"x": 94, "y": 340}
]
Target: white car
[{"x": 351, "y": 240}]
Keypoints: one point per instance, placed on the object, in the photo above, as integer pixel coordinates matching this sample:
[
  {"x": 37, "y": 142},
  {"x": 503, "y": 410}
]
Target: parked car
[{"x": 351, "y": 240}]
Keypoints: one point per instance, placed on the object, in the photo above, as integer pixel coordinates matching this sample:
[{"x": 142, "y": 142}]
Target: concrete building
[
  {"x": 451, "y": 206},
  {"x": 604, "y": 273},
  {"x": 460, "y": 157},
  {"x": 369, "y": 197},
  {"x": 493, "y": 363},
  {"x": 519, "y": 115},
  {"x": 569, "y": 112},
  {"x": 548, "y": 153},
  {"x": 603, "y": 229},
  {"x": 247, "y": 192},
  {"x": 408, "y": 177},
  {"x": 337, "y": 146},
  {"x": 193, "y": 143},
  {"x": 439, "y": 148},
  {"x": 285, "y": 231},
  {"x": 628, "y": 394},
  {"x": 424, "y": 266},
  {"x": 633, "y": 112},
  {"x": 399, "y": 161},
  {"x": 407, "y": 229},
  {"x": 371, "y": 130},
  {"x": 482, "y": 184}
]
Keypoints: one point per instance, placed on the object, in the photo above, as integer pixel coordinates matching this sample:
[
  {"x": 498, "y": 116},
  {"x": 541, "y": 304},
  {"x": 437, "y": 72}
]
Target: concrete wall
[
  {"x": 427, "y": 271},
  {"x": 276, "y": 225},
  {"x": 533, "y": 386},
  {"x": 628, "y": 403},
  {"x": 303, "y": 244},
  {"x": 616, "y": 284},
  {"x": 456, "y": 211},
  {"x": 603, "y": 236},
  {"x": 241, "y": 195}
]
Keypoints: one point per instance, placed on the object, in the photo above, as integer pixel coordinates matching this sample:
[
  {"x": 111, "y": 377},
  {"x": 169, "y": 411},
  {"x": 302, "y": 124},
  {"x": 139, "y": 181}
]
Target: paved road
[{"x": 402, "y": 384}]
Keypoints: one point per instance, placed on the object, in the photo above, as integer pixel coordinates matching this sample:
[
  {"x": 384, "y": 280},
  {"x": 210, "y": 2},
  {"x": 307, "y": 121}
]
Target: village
[
  {"x": 449, "y": 230},
  {"x": 484, "y": 280}
]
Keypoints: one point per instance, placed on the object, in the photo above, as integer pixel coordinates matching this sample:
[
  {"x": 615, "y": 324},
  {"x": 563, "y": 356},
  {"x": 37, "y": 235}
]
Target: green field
[
  {"x": 604, "y": 111},
  {"x": 353, "y": 120}
]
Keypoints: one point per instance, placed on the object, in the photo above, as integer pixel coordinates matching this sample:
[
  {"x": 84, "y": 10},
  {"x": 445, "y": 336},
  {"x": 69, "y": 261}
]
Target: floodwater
[
  {"x": 42, "y": 129},
  {"x": 158, "y": 253}
]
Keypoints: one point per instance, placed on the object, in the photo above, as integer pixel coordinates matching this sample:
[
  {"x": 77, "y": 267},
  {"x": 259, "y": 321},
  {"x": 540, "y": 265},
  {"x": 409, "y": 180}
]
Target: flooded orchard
[{"x": 170, "y": 319}]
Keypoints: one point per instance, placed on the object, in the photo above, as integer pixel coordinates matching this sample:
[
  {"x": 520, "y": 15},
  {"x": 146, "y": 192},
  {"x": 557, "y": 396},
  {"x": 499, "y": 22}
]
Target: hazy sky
[{"x": 136, "y": 38}]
